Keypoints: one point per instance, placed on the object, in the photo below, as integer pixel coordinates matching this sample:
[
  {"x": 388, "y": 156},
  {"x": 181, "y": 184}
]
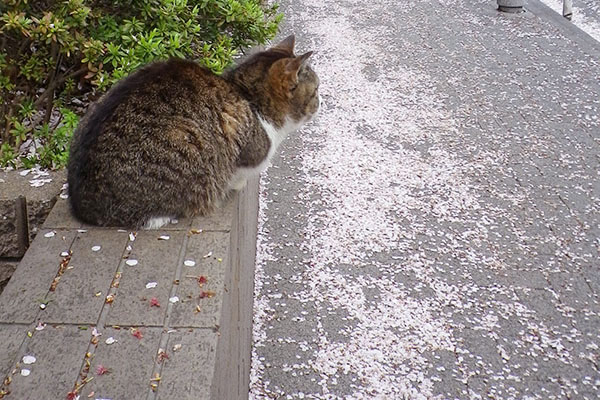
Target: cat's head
[{"x": 282, "y": 85}]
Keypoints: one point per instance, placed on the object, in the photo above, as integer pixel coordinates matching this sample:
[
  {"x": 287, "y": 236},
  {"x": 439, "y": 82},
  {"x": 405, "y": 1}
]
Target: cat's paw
[{"x": 156, "y": 222}]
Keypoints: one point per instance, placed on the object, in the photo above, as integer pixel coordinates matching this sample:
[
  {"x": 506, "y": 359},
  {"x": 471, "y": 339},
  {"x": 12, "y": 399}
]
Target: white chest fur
[{"x": 276, "y": 136}]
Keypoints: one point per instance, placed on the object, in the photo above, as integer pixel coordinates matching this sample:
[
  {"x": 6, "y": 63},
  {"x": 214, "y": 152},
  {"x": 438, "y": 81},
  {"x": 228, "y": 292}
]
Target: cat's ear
[
  {"x": 295, "y": 63},
  {"x": 286, "y": 45}
]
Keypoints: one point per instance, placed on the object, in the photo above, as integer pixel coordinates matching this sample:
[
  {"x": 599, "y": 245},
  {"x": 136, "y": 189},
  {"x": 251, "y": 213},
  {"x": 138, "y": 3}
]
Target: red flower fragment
[
  {"x": 208, "y": 294},
  {"x": 72, "y": 395},
  {"x": 162, "y": 355},
  {"x": 137, "y": 333},
  {"x": 101, "y": 370},
  {"x": 202, "y": 280},
  {"x": 154, "y": 302}
]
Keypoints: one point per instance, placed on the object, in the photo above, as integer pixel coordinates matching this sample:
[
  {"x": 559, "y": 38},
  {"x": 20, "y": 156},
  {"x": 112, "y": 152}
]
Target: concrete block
[
  {"x": 178, "y": 380},
  {"x": 220, "y": 220},
  {"x": 156, "y": 262},
  {"x": 29, "y": 287},
  {"x": 130, "y": 361},
  {"x": 11, "y": 337},
  {"x": 7, "y": 269},
  {"x": 207, "y": 296},
  {"x": 59, "y": 353},
  {"x": 89, "y": 272},
  {"x": 60, "y": 217},
  {"x": 9, "y": 241},
  {"x": 39, "y": 201}
]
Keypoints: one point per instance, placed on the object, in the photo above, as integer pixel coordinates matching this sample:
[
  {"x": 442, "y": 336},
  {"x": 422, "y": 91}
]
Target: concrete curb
[{"x": 194, "y": 344}]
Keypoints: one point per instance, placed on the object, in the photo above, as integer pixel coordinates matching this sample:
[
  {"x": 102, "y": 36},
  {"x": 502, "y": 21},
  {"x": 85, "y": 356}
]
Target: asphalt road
[{"x": 435, "y": 233}]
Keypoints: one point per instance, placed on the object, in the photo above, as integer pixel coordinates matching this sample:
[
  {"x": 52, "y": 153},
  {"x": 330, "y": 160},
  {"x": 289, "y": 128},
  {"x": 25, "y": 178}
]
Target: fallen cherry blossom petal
[
  {"x": 131, "y": 236},
  {"x": 64, "y": 254},
  {"x": 25, "y": 372},
  {"x": 189, "y": 263},
  {"x": 164, "y": 237},
  {"x": 110, "y": 340},
  {"x": 95, "y": 332},
  {"x": 151, "y": 285},
  {"x": 154, "y": 302},
  {"x": 131, "y": 263},
  {"x": 210, "y": 253},
  {"x": 28, "y": 359},
  {"x": 82, "y": 230},
  {"x": 177, "y": 347},
  {"x": 49, "y": 234},
  {"x": 96, "y": 248},
  {"x": 174, "y": 299},
  {"x": 40, "y": 326}
]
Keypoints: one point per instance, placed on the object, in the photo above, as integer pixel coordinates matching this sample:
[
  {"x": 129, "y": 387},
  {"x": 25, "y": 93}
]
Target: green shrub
[{"x": 58, "y": 55}]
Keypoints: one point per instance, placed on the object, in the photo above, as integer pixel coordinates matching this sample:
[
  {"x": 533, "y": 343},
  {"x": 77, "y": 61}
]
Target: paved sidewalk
[
  {"x": 435, "y": 233},
  {"x": 112, "y": 314}
]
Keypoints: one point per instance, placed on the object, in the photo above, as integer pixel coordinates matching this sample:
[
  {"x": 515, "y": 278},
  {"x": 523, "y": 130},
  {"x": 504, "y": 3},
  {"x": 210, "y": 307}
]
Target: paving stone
[
  {"x": 61, "y": 217},
  {"x": 28, "y": 288},
  {"x": 130, "y": 361},
  {"x": 178, "y": 380},
  {"x": 219, "y": 220},
  {"x": 11, "y": 337},
  {"x": 89, "y": 272},
  {"x": 157, "y": 261},
  {"x": 209, "y": 296},
  {"x": 59, "y": 352}
]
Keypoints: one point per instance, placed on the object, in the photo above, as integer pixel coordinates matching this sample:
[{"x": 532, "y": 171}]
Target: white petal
[
  {"x": 151, "y": 285},
  {"x": 131, "y": 237},
  {"x": 208, "y": 254},
  {"x": 174, "y": 299},
  {"x": 49, "y": 234},
  {"x": 25, "y": 372},
  {"x": 164, "y": 237},
  {"x": 110, "y": 340},
  {"x": 131, "y": 263},
  {"x": 189, "y": 263},
  {"x": 40, "y": 326},
  {"x": 64, "y": 254},
  {"x": 96, "y": 248},
  {"x": 28, "y": 359}
]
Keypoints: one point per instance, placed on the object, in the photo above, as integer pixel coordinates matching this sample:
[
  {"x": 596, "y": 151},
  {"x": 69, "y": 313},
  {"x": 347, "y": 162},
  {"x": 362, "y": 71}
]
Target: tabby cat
[{"x": 172, "y": 139}]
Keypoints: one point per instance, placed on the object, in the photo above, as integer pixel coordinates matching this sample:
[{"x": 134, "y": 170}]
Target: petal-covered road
[{"x": 435, "y": 232}]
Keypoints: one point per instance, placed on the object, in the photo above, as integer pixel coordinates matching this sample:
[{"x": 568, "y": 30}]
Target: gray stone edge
[{"x": 234, "y": 348}]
